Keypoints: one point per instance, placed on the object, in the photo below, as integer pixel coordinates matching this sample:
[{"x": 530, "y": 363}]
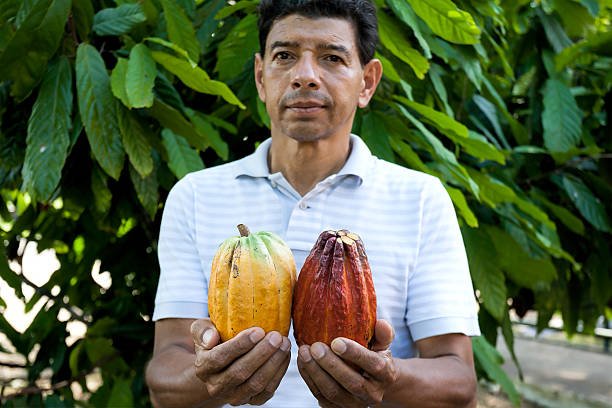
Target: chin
[{"x": 306, "y": 134}]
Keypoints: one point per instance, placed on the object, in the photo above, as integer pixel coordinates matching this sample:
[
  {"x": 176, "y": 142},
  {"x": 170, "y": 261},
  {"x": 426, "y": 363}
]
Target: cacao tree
[{"x": 105, "y": 104}]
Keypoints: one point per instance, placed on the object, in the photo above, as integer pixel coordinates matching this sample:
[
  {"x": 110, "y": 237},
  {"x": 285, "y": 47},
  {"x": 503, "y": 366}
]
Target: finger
[
  {"x": 268, "y": 392},
  {"x": 324, "y": 382},
  {"x": 376, "y": 364},
  {"x": 221, "y": 356},
  {"x": 244, "y": 367},
  {"x": 304, "y": 354},
  {"x": 261, "y": 379},
  {"x": 346, "y": 376},
  {"x": 204, "y": 333},
  {"x": 384, "y": 333}
]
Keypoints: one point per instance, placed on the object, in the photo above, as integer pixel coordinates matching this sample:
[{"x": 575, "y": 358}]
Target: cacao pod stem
[{"x": 244, "y": 230}]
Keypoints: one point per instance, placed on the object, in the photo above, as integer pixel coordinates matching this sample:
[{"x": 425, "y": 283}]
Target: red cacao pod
[{"x": 334, "y": 294}]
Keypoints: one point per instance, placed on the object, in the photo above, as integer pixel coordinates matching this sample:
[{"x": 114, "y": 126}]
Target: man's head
[
  {"x": 312, "y": 73},
  {"x": 360, "y": 13}
]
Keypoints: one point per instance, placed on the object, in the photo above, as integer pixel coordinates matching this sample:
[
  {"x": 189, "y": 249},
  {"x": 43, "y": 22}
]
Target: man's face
[{"x": 311, "y": 78}]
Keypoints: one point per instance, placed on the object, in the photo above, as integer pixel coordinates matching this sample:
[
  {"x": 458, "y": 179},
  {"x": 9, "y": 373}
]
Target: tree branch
[
  {"x": 57, "y": 299},
  {"x": 13, "y": 365},
  {"x": 62, "y": 384}
]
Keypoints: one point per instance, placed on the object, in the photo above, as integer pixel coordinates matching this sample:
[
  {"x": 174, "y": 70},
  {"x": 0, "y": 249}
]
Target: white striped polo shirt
[{"x": 405, "y": 219}]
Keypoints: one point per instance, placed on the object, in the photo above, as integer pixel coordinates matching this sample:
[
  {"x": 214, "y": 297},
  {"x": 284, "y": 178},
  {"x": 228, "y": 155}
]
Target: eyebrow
[{"x": 321, "y": 46}]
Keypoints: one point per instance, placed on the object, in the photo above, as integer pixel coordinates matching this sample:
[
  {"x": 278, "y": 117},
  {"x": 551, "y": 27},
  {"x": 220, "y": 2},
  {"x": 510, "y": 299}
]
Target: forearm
[
  {"x": 172, "y": 382},
  {"x": 439, "y": 382}
]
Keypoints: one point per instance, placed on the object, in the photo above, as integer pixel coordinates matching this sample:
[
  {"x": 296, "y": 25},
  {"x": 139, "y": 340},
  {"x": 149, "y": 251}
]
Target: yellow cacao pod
[{"x": 251, "y": 284}]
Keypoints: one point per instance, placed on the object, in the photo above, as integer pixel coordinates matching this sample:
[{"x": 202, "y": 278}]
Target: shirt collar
[{"x": 256, "y": 164}]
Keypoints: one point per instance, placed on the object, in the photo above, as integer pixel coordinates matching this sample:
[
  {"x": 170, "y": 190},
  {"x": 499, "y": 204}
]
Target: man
[{"x": 315, "y": 67}]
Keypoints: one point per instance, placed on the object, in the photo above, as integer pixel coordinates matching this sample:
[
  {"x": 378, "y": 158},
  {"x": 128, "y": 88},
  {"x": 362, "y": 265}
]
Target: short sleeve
[
  {"x": 182, "y": 291},
  {"x": 440, "y": 298}
]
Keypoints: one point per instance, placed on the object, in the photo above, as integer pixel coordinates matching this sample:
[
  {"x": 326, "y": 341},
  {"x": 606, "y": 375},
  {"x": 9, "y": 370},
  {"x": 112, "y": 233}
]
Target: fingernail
[
  {"x": 286, "y": 345},
  {"x": 338, "y": 346},
  {"x": 275, "y": 339},
  {"x": 317, "y": 350},
  {"x": 304, "y": 354},
  {"x": 256, "y": 335},
  {"x": 207, "y": 337}
]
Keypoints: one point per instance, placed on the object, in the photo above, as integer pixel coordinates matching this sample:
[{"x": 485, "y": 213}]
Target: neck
[{"x": 304, "y": 164}]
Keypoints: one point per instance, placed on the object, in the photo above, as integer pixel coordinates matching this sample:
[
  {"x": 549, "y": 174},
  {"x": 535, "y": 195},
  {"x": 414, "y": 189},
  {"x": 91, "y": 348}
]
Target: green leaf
[
  {"x": 182, "y": 158},
  {"x": 25, "y": 56},
  {"x": 519, "y": 266},
  {"x": 172, "y": 119},
  {"x": 447, "y": 21},
  {"x": 392, "y": 37},
  {"x": 205, "y": 129},
  {"x": 479, "y": 147},
  {"x": 438, "y": 148},
  {"x": 73, "y": 360},
  {"x": 121, "y": 393},
  {"x": 403, "y": 150},
  {"x": 441, "y": 121},
  {"x": 118, "y": 85},
  {"x": 561, "y": 118},
  {"x": 102, "y": 194},
  {"x": 237, "y": 48},
  {"x": 48, "y": 132},
  {"x": 563, "y": 214},
  {"x": 83, "y": 15},
  {"x": 140, "y": 77},
  {"x": 180, "y": 29},
  {"x": 146, "y": 190},
  {"x": 486, "y": 272},
  {"x": 388, "y": 68},
  {"x": 435, "y": 75},
  {"x": 99, "y": 349},
  {"x": 135, "y": 141},
  {"x": 493, "y": 191},
  {"x": 97, "y": 107},
  {"x": 195, "y": 77},
  {"x": 248, "y": 6},
  {"x": 462, "y": 206},
  {"x": 589, "y": 206},
  {"x": 490, "y": 360},
  {"x": 405, "y": 13},
  {"x": 10, "y": 277},
  {"x": 571, "y": 54},
  {"x": 173, "y": 47},
  {"x": 554, "y": 32},
  {"x": 119, "y": 20},
  {"x": 374, "y": 134}
]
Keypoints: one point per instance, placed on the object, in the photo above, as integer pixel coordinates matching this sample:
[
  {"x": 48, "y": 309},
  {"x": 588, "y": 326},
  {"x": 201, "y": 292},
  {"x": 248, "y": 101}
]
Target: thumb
[
  {"x": 205, "y": 334},
  {"x": 384, "y": 334}
]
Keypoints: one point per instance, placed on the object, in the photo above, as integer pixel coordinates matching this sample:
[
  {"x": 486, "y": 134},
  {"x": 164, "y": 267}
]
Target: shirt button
[
  {"x": 273, "y": 183},
  {"x": 303, "y": 206}
]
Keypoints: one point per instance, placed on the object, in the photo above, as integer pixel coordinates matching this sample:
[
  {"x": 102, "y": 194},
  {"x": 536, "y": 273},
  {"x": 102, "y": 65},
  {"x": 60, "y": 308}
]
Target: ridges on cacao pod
[
  {"x": 334, "y": 295},
  {"x": 251, "y": 284}
]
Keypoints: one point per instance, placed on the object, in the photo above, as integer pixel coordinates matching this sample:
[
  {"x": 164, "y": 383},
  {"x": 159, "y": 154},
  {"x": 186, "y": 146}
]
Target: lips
[{"x": 306, "y": 107}]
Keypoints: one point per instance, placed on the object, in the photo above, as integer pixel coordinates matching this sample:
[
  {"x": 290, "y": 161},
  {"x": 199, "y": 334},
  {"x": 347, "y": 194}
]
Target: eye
[
  {"x": 334, "y": 58},
  {"x": 283, "y": 55}
]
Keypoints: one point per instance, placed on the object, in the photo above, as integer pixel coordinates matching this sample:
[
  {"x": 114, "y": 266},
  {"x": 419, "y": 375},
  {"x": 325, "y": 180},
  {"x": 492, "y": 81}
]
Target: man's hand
[
  {"x": 245, "y": 369},
  {"x": 332, "y": 380}
]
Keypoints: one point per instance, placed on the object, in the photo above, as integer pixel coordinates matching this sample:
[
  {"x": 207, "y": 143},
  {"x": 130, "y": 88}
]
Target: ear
[
  {"x": 372, "y": 72},
  {"x": 259, "y": 77}
]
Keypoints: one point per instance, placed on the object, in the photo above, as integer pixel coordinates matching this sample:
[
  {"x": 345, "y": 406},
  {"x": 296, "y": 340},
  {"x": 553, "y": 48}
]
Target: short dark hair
[{"x": 361, "y": 13}]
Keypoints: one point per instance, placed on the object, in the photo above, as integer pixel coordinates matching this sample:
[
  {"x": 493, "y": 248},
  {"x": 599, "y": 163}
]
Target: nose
[{"x": 305, "y": 74}]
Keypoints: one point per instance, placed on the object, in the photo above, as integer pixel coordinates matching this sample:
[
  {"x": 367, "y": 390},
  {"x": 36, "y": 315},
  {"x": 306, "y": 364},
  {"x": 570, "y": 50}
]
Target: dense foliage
[{"x": 105, "y": 104}]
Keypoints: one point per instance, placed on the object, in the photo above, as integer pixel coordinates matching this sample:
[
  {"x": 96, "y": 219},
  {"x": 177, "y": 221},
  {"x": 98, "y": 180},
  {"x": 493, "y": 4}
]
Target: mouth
[{"x": 305, "y": 107}]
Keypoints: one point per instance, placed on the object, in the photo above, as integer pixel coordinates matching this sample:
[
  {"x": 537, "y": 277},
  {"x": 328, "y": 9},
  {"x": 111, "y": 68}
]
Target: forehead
[{"x": 307, "y": 31}]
